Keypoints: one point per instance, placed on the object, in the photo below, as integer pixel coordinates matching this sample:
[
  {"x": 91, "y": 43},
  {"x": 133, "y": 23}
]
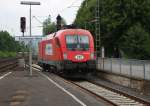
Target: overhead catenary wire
[
  {"x": 60, "y": 11},
  {"x": 69, "y": 6},
  {"x": 54, "y": 16}
]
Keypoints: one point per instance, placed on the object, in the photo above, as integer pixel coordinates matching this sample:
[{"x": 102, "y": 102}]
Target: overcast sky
[{"x": 11, "y": 11}]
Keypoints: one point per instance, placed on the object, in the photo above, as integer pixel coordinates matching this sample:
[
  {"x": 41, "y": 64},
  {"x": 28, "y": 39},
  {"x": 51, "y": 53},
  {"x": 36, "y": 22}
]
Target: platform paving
[{"x": 20, "y": 89}]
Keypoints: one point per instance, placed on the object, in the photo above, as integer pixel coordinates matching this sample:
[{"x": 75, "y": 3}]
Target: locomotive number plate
[{"x": 79, "y": 57}]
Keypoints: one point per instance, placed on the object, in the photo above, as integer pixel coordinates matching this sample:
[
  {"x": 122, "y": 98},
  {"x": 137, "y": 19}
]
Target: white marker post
[{"x": 103, "y": 55}]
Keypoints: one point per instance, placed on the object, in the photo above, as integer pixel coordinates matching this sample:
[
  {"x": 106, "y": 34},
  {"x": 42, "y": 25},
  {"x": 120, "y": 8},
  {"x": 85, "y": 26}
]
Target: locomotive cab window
[
  {"x": 84, "y": 42},
  {"x": 77, "y": 42}
]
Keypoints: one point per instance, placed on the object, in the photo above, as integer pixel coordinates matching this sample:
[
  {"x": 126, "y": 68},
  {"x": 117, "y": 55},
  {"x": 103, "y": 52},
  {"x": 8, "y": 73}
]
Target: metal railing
[{"x": 132, "y": 68}]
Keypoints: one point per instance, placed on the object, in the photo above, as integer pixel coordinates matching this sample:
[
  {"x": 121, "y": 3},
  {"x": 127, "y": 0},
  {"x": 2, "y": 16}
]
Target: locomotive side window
[{"x": 77, "y": 42}]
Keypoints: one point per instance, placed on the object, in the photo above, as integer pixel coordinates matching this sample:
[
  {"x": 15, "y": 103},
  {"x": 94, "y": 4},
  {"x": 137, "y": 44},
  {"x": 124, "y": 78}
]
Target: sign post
[{"x": 30, "y": 49}]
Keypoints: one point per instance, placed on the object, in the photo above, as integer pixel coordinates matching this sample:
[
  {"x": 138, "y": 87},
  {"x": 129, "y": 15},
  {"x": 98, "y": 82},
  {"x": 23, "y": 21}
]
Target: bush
[{"x": 5, "y": 54}]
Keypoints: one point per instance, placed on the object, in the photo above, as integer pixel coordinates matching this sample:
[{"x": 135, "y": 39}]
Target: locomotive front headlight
[
  {"x": 65, "y": 56},
  {"x": 92, "y": 56}
]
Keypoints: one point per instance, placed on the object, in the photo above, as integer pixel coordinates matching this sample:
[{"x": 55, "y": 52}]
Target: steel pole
[
  {"x": 30, "y": 43},
  {"x": 30, "y": 50}
]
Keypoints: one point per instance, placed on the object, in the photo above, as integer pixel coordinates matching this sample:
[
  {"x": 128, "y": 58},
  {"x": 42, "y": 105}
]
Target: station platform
[{"x": 18, "y": 88}]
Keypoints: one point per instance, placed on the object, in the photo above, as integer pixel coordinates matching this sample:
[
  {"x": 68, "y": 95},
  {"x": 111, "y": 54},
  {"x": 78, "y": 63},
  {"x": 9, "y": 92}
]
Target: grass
[{"x": 6, "y": 54}]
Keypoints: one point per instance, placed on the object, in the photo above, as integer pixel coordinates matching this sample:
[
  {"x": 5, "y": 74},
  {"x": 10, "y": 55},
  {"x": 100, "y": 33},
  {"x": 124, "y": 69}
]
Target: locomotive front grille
[{"x": 79, "y": 65}]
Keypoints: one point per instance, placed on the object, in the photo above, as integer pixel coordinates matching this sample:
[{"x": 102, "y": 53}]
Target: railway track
[
  {"x": 109, "y": 95},
  {"x": 114, "y": 98},
  {"x": 118, "y": 91},
  {"x": 6, "y": 64}
]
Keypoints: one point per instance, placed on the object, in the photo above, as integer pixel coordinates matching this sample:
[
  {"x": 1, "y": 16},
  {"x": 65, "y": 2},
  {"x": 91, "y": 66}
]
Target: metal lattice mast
[{"x": 97, "y": 28}]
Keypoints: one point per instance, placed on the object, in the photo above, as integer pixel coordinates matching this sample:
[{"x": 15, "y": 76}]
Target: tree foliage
[
  {"x": 136, "y": 42},
  {"x": 124, "y": 26},
  {"x": 8, "y": 43},
  {"x": 50, "y": 27}
]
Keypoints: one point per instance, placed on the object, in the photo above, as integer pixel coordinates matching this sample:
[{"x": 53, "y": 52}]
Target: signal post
[{"x": 30, "y": 3}]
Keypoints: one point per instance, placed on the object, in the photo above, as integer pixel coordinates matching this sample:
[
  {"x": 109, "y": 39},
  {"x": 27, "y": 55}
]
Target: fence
[{"x": 128, "y": 67}]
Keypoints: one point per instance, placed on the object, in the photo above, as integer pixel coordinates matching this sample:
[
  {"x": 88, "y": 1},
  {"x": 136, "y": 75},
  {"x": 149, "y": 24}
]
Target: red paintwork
[{"x": 58, "y": 51}]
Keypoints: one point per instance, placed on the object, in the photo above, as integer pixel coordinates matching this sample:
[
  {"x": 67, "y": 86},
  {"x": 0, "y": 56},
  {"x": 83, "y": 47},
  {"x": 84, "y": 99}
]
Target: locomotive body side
[
  {"x": 69, "y": 51},
  {"x": 49, "y": 53}
]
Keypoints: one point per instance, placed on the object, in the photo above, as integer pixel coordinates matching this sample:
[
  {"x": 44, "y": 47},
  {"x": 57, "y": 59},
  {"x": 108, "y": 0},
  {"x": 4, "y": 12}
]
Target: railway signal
[
  {"x": 23, "y": 24},
  {"x": 30, "y": 3},
  {"x": 59, "y": 19}
]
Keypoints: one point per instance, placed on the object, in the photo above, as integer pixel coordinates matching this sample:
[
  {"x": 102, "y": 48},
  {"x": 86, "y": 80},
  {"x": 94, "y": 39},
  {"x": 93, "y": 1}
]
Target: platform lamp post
[{"x": 30, "y": 3}]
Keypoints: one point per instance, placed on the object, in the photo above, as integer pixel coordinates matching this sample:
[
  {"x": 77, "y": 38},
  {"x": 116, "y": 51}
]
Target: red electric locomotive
[{"x": 68, "y": 51}]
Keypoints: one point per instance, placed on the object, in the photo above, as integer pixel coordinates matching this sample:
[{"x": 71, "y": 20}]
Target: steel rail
[
  {"x": 129, "y": 99},
  {"x": 116, "y": 98},
  {"x": 146, "y": 103},
  {"x": 6, "y": 64},
  {"x": 88, "y": 91}
]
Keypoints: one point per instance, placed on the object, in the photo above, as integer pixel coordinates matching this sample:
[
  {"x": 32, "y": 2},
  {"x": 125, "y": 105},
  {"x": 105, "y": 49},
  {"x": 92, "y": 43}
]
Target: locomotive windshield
[{"x": 76, "y": 42}]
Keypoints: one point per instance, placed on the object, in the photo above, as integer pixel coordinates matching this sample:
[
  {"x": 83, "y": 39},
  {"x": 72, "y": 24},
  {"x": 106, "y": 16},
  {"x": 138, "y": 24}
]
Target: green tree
[
  {"x": 86, "y": 14},
  {"x": 8, "y": 45},
  {"x": 136, "y": 42},
  {"x": 118, "y": 18},
  {"x": 50, "y": 27}
]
